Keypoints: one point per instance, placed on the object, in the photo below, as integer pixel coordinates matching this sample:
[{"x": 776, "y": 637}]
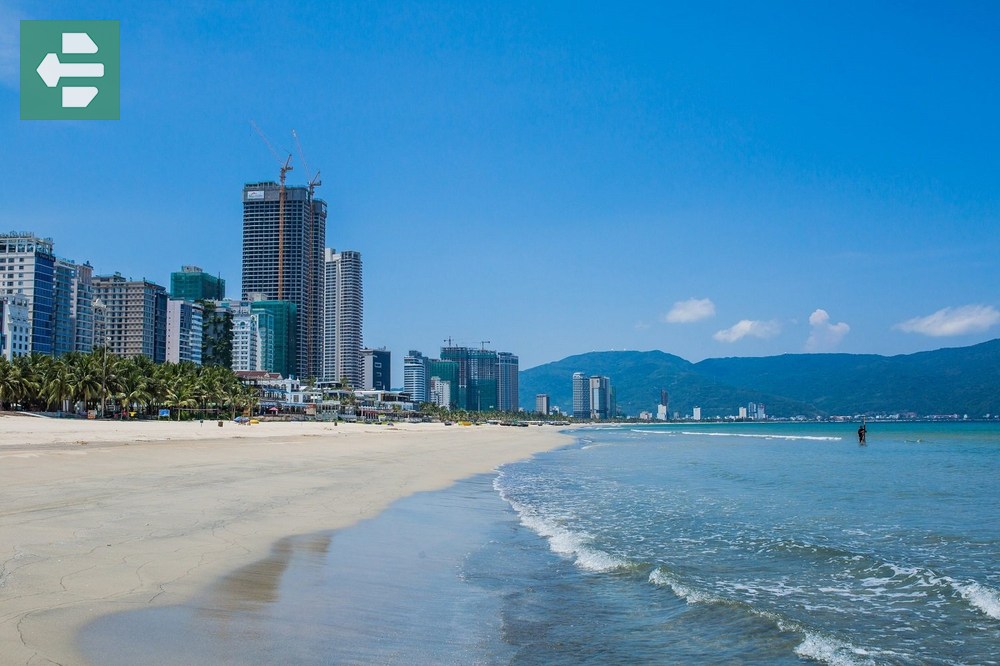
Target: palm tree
[
  {"x": 134, "y": 390},
  {"x": 180, "y": 392},
  {"x": 38, "y": 381},
  {"x": 9, "y": 383},
  {"x": 214, "y": 381},
  {"x": 85, "y": 379},
  {"x": 233, "y": 395},
  {"x": 25, "y": 379},
  {"x": 58, "y": 385}
]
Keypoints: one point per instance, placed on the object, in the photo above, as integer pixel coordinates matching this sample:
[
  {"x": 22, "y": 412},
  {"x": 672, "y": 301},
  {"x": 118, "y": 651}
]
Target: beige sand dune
[{"x": 99, "y": 517}]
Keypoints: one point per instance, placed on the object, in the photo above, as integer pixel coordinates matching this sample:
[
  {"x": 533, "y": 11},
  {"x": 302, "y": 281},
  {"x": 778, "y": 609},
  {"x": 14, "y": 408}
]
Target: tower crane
[
  {"x": 311, "y": 288},
  {"x": 286, "y": 166},
  {"x": 315, "y": 182}
]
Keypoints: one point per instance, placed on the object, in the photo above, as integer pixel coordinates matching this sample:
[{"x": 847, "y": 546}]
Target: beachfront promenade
[{"x": 100, "y": 517}]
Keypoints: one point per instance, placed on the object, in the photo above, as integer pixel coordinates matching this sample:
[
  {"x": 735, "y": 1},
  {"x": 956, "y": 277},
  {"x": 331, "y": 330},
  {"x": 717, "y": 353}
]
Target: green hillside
[
  {"x": 638, "y": 377},
  {"x": 963, "y": 380}
]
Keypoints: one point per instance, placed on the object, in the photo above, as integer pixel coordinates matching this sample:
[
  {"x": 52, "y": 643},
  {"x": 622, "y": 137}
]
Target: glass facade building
[
  {"x": 27, "y": 268},
  {"x": 193, "y": 284}
]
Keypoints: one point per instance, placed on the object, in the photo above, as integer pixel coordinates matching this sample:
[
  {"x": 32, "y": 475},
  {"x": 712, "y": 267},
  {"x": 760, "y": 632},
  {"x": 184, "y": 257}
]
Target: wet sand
[{"x": 98, "y": 518}]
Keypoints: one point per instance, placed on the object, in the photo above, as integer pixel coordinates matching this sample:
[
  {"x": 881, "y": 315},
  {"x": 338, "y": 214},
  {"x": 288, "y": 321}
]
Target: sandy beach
[{"x": 100, "y": 517}]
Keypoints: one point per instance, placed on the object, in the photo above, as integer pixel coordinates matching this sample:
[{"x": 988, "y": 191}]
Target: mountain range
[{"x": 960, "y": 380}]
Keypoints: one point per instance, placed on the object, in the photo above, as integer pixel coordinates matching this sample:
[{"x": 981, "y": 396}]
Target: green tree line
[{"x": 105, "y": 382}]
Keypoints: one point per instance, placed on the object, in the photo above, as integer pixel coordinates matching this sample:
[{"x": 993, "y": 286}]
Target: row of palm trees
[{"x": 107, "y": 383}]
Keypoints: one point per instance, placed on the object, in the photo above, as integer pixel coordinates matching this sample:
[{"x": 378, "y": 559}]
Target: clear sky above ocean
[{"x": 709, "y": 179}]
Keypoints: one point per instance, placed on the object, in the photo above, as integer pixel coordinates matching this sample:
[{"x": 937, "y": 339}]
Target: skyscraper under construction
[{"x": 283, "y": 260}]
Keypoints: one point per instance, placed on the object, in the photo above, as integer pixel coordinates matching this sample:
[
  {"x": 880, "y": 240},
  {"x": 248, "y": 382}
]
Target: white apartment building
[
  {"x": 343, "y": 316},
  {"x": 184, "y": 331}
]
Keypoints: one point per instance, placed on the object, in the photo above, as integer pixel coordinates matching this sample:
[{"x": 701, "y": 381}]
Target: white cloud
[
  {"x": 953, "y": 321},
  {"x": 824, "y": 335},
  {"x": 745, "y": 327},
  {"x": 691, "y": 310}
]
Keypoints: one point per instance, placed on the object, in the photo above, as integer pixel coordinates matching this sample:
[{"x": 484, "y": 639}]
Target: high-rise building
[
  {"x": 283, "y": 260},
  {"x": 542, "y": 403},
  {"x": 27, "y": 267},
  {"x": 600, "y": 398},
  {"x": 377, "y": 371},
  {"x": 416, "y": 379},
  {"x": 442, "y": 370},
  {"x": 82, "y": 311},
  {"x": 276, "y": 321},
  {"x": 217, "y": 335},
  {"x": 245, "y": 339},
  {"x": 63, "y": 335},
  {"x": 581, "y": 396},
  {"x": 133, "y": 321},
  {"x": 263, "y": 335},
  {"x": 343, "y": 317},
  {"x": 440, "y": 393},
  {"x": 184, "y": 331},
  {"x": 507, "y": 375},
  {"x": 72, "y": 307},
  {"x": 485, "y": 380},
  {"x": 15, "y": 326},
  {"x": 193, "y": 284}
]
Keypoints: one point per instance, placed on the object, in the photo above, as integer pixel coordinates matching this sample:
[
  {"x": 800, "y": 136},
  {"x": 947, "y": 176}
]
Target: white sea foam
[
  {"x": 985, "y": 599},
  {"x": 831, "y": 651},
  {"x": 661, "y": 578},
  {"x": 815, "y": 646},
  {"x": 812, "y": 438},
  {"x": 566, "y": 542}
]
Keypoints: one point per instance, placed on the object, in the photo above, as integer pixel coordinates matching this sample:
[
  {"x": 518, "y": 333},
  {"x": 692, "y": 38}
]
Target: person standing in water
[{"x": 862, "y": 434}]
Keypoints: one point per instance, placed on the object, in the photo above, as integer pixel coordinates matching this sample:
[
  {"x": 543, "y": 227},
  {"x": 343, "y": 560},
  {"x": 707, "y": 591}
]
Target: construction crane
[
  {"x": 311, "y": 289},
  {"x": 315, "y": 182},
  {"x": 286, "y": 166},
  {"x": 483, "y": 343}
]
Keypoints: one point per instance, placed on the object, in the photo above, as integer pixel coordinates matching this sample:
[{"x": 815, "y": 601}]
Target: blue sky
[{"x": 709, "y": 179}]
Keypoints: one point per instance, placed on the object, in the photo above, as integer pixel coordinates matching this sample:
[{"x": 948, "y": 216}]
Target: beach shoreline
[{"x": 102, "y": 517}]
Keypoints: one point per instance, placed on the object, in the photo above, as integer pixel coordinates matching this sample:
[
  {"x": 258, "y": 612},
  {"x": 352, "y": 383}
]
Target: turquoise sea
[{"x": 717, "y": 544}]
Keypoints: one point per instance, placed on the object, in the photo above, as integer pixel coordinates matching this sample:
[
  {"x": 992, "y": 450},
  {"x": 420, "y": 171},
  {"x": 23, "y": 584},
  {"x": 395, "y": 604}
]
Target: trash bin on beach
[{"x": 220, "y": 423}]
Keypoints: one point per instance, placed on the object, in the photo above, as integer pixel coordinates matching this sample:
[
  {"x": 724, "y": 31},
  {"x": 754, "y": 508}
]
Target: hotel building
[{"x": 131, "y": 317}]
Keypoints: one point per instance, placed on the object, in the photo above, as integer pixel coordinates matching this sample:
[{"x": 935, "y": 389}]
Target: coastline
[{"x": 101, "y": 517}]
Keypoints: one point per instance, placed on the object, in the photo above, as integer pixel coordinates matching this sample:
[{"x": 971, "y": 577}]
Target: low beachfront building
[{"x": 15, "y": 326}]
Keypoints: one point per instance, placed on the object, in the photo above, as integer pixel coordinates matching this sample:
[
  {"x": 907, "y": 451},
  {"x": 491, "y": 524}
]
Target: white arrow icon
[
  {"x": 78, "y": 97},
  {"x": 51, "y": 70},
  {"x": 78, "y": 42}
]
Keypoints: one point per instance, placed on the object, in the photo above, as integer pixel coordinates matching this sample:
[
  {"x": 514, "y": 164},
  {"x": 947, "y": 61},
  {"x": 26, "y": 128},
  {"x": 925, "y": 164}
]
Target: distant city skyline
[{"x": 708, "y": 180}]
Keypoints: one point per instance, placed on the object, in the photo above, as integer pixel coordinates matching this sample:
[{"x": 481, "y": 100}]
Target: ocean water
[{"x": 716, "y": 544}]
